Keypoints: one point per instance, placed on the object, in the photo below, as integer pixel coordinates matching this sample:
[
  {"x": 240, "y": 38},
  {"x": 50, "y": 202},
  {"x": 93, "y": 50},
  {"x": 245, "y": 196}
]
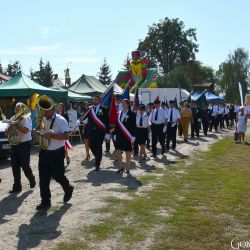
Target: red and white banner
[
  {"x": 124, "y": 130},
  {"x": 97, "y": 121},
  {"x": 68, "y": 144}
]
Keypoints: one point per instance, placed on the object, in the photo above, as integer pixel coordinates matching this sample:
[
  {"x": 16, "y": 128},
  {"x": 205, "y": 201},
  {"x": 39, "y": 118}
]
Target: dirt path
[{"x": 21, "y": 227}]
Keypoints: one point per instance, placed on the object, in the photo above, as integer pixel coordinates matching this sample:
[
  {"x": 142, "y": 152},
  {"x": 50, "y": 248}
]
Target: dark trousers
[
  {"x": 205, "y": 124},
  {"x": 171, "y": 136},
  {"x": 195, "y": 128},
  {"x": 220, "y": 121},
  {"x": 157, "y": 134},
  {"x": 20, "y": 158},
  {"x": 51, "y": 164},
  {"x": 214, "y": 123},
  {"x": 95, "y": 145},
  {"x": 226, "y": 119}
]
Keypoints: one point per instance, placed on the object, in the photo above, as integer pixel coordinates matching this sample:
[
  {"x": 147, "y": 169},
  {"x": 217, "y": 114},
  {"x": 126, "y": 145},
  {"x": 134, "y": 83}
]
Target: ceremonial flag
[
  {"x": 175, "y": 102},
  {"x": 202, "y": 101},
  {"x": 125, "y": 93},
  {"x": 106, "y": 97},
  {"x": 241, "y": 94},
  {"x": 113, "y": 112},
  {"x": 136, "y": 98}
]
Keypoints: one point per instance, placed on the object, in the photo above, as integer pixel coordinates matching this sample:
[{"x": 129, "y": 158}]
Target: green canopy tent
[
  {"x": 22, "y": 86},
  {"x": 87, "y": 85},
  {"x": 74, "y": 97}
]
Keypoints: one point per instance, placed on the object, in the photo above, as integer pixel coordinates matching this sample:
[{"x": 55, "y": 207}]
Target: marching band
[{"x": 130, "y": 133}]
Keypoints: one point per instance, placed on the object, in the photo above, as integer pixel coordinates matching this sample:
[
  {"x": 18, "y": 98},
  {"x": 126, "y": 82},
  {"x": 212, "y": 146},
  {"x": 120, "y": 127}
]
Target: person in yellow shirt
[{"x": 186, "y": 117}]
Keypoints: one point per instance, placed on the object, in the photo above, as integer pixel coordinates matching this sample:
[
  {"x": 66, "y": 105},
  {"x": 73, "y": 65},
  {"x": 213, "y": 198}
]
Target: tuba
[
  {"x": 15, "y": 136},
  {"x": 44, "y": 103}
]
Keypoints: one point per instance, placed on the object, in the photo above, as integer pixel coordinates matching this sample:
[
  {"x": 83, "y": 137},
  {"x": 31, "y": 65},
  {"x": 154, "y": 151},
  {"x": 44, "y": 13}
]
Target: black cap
[
  {"x": 163, "y": 103},
  {"x": 171, "y": 101},
  {"x": 142, "y": 107},
  {"x": 118, "y": 96}
]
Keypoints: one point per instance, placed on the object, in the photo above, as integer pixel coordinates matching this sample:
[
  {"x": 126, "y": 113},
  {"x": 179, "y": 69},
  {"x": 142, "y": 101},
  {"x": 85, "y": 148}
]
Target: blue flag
[
  {"x": 125, "y": 93},
  {"x": 107, "y": 98}
]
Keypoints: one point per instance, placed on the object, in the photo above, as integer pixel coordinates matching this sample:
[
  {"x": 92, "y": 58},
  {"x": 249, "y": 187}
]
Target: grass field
[{"x": 198, "y": 204}]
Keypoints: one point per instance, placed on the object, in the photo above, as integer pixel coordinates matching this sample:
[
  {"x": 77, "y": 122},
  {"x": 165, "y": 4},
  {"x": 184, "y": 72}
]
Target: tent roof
[
  {"x": 73, "y": 97},
  {"x": 21, "y": 85},
  {"x": 87, "y": 85},
  {"x": 209, "y": 96}
]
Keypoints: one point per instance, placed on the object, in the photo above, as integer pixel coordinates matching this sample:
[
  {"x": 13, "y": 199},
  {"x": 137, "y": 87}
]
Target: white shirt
[
  {"x": 27, "y": 123},
  {"x": 60, "y": 126},
  {"x": 96, "y": 108},
  {"x": 175, "y": 115},
  {"x": 236, "y": 108},
  {"x": 220, "y": 110},
  {"x": 145, "y": 121},
  {"x": 161, "y": 118},
  {"x": 214, "y": 110},
  {"x": 118, "y": 106}
]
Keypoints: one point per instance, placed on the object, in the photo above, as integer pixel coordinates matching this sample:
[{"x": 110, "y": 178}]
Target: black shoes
[
  {"x": 16, "y": 189},
  {"x": 127, "y": 171},
  {"x": 43, "y": 205},
  {"x": 119, "y": 171},
  {"x": 32, "y": 183},
  {"x": 97, "y": 167},
  {"x": 68, "y": 194}
]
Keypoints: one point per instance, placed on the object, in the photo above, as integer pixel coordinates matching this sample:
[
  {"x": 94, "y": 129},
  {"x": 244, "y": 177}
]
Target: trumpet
[
  {"x": 44, "y": 103},
  {"x": 15, "y": 136}
]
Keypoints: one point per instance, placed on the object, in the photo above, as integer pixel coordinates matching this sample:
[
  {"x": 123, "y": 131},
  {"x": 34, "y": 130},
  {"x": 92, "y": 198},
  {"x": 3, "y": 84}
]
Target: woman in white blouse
[
  {"x": 142, "y": 126},
  {"x": 241, "y": 124}
]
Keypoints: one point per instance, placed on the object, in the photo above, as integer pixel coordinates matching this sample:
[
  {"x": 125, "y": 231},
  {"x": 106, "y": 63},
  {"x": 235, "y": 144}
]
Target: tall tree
[
  {"x": 104, "y": 74},
  {"x": 44, "y": 75},
  {"x": 176, "y": 78},
  {"x": 13, "y": 68},
  {"x": 185, "y": 75},
  {"x": 235, "y": 69},
  {"x": 168, "y": 44}
]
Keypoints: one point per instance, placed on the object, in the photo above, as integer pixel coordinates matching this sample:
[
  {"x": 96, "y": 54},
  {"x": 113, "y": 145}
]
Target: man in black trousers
[
  {"x": 98, "y": 124},
  {"x": 51, "y": 159},
  {"x": 173, "y": 119},
  {"x": 195, "y": 126},
  {"x": 158, "y": 120}
]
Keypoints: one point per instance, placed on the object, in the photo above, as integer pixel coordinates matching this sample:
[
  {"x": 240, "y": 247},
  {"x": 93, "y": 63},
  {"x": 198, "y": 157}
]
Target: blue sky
[{"x": 84, "y": 32}]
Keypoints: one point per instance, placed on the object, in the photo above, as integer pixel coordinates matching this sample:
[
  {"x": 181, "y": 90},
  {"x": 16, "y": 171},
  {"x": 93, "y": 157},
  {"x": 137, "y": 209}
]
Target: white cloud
[{"x": 47, "y": 32}]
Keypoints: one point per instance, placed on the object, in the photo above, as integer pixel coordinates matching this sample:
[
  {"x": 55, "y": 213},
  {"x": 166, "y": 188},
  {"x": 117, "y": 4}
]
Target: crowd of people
[{"x": 135, "y": 130}]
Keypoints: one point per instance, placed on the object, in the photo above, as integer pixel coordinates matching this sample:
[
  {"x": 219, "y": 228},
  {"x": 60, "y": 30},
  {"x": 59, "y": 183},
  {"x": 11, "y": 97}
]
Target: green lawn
[{"x": 202, "y": 205}]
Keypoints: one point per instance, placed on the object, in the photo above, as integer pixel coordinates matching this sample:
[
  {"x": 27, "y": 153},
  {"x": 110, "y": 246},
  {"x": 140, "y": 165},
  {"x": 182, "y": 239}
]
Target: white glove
[
  {"x": 107, "y": 137},
  {"x": 164, "y": 129},
  {"x": 114, "y": 137},
  {"x": 133, "y": 139}
]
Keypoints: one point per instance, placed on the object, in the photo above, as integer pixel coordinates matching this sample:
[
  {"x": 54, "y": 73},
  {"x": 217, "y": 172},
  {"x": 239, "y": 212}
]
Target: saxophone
[
  {"x": 14, "y": 135},
  {"x": 44, "y": 103}
]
